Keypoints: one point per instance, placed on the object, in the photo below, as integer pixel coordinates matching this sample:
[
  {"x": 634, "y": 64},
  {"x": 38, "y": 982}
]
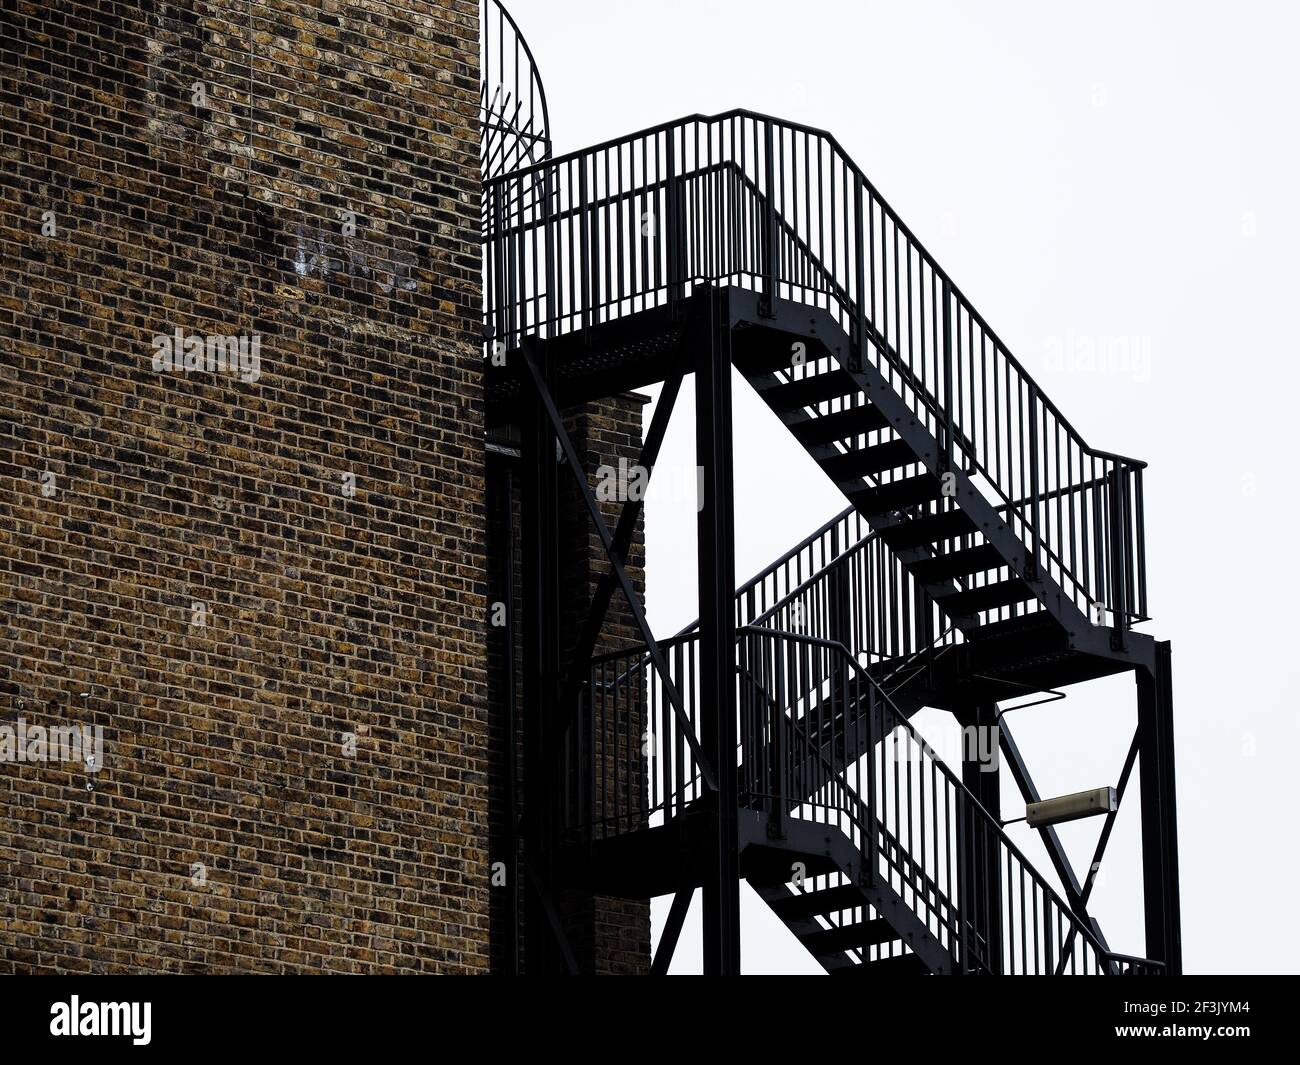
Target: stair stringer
[{"x": 816, "y": 325}]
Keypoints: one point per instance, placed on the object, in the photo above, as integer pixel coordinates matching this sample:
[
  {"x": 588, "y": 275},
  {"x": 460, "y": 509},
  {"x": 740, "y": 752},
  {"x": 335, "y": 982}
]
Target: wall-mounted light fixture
[{"x": 1070, "y": 807}]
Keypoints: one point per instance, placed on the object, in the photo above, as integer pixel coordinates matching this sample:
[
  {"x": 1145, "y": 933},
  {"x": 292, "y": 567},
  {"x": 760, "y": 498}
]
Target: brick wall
[{"x": 298, "y": 782}]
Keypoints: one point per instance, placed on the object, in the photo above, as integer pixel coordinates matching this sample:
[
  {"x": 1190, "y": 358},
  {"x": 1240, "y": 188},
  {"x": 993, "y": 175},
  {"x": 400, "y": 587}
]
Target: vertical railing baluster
[
  {"x": 1035, "y": 511},
  {"x": 947, "y": 376},
  {"x": 1126, "y": 495},
  {"x": 1139, "y": 521},
  {"x": 858, "y": 350},
  {"x": 673, "y": 225},
  {"x": 1118, "y": 579},
  {"x": 778, "y": 754},
  {"x": 1049, "y": 944},
  {"x": 964, "y": 914},
  {"x": 771, "y": 251},
  {"x": 584, "y": 229}
]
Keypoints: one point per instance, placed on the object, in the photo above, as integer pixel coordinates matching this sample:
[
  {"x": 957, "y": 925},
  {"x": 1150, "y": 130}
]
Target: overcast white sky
[{"x": 1082, "y": 171}]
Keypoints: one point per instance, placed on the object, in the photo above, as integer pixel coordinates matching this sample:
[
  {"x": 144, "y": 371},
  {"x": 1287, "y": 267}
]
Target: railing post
[
  {"x": 585, "y": 231},
  {"x": 1118, "y": 559},
  {"x": 858, "y": 354},
  {"x": 923, "y": 634},
  {"x": 1049, "y": 944},
  {"x": 673, "y": 226},
  {"x": 549, "y": 253},
  {"x": 747, "y": 715},
  {"x": 947, "y": 374},
  {"x": 840, "y": 597},
  {"x": 869, "y": 842},
  {"x": 965, "y": 878},
  {"x": 497, "y": 279},
  {"x": 771, "y": 250},
  {"x": 1130, "y": 564},
  {"x": 513, "y": 256},
  {"x": 1031, "y": 562},
  {"x": 776, "y": 744},
  {"x": 1139, "y": 529}
]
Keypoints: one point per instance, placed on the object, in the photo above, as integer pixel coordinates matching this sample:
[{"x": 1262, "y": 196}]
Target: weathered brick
[
  {"x": 326, "y": 613},
  {"x": 231, "y": 829}
]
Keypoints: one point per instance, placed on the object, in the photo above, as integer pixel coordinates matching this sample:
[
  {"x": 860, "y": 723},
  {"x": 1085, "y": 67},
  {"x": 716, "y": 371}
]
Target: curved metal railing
[{"x": 514, "y": 125}]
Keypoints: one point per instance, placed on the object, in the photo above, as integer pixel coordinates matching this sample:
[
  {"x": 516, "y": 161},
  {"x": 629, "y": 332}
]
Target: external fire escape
[{"x": 987, "y": 553}]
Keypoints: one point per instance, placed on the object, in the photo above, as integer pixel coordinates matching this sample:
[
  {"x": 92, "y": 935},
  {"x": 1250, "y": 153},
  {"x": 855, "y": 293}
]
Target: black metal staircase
[{"x": 988, "y": 551}]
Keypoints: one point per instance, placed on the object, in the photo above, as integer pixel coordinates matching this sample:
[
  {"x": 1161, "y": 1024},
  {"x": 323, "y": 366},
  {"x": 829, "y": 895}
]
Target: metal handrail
[
  {"x": 560, "y": 256},
  {"x": 796, "y": 555},
  {"x": 830, "y": 139},
  {"x": 894, "y": 720},
  {"x": 628, "y": 780}
]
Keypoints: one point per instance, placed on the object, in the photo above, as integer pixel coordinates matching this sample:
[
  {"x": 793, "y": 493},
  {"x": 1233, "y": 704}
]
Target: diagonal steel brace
[{"x": 607, "y": 541}]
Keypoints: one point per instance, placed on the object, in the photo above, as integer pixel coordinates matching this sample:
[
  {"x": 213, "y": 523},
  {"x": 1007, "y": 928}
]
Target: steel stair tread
[
  {"x": 810, "y": 390},
  {"x": 842, "y": 424},
  {"x": 816, "y": 903},
  {"x": 958, "y": 563},
  {"x": 928, "y": 529},
  {"x": 1024, "y": 624},
  {"x": 988, "y": 597},
  {"x": 762, "y": 874},
  {"x": 897, "y": 495},
  {"x": 859, "y": 935},
  {"x": 899, "y": 964},
  {"x": 869, "y": 460}
]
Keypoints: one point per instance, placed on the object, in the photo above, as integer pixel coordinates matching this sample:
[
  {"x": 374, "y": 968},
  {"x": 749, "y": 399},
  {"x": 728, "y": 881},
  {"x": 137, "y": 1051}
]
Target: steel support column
[
  {"x": 1159, "y": 812},
  {"x": 544, "y": 953},
  {"x": 983, "y": 779},
  {"x": 717, "y": 582}
]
